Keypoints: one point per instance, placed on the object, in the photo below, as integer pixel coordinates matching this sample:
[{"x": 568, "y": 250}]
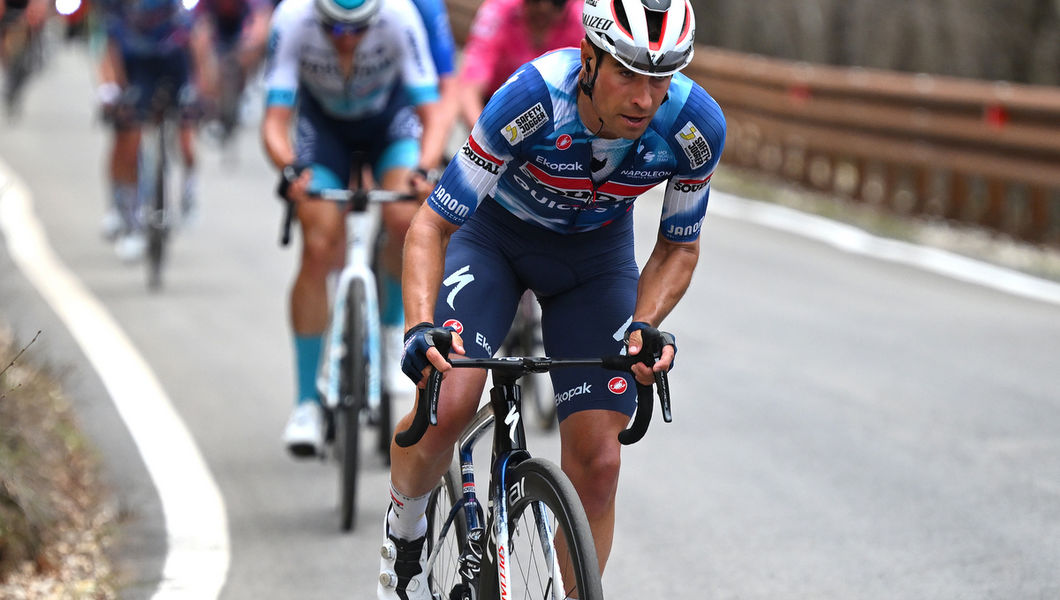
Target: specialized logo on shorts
[
  {"x": 617, "y": 385},
  {"x": 458, "y": 280},
  {"x": 563, "y": 142},
  {"x": 694, "y": 144},
  {"x": 525, "y": 124},
  {"x": 456, "y": 325}
]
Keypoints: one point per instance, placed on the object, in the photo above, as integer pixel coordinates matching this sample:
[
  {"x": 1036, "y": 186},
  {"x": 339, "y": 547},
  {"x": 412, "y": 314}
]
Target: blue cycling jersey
[
  {"x": 531, "y": 152},
  {"x": 148, "y": 27}
]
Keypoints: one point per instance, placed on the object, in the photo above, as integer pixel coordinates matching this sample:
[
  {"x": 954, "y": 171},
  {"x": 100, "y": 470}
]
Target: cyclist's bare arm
[
  {"x": 421, "y": 275},
  {"x": 275, "y": 134},
  {"x": 432, "y": 144},
  {"x": 663, "y": 282}
]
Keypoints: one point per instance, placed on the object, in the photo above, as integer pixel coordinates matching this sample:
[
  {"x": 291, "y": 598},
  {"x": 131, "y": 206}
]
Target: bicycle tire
[
  {"x": 155, "y": 223},
  {"x": 535, "y": 483},
  {"x": 385, "y": 426},
  {"x": 444, "y": 574},
  {"x": 352, "y": 392}
]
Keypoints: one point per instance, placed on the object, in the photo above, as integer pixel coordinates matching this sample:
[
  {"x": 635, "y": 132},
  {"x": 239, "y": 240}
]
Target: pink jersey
[{"x": 499, "y": 42}]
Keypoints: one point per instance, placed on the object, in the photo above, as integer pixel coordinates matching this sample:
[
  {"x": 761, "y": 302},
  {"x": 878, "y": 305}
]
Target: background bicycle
[
  {"x": 532, "y": 539},
  {"x": 524, "y": 339},
  {"x": 354, "y": 391}
]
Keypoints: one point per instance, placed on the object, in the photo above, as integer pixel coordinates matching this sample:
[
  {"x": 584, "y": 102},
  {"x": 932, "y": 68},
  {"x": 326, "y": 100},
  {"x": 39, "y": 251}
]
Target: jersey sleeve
[
  {"x": 281, "y": 59},
  {"x": 418, "y": 72},
  {"x": 518, "y": 114},
  {"x": 696, "y": 138}
]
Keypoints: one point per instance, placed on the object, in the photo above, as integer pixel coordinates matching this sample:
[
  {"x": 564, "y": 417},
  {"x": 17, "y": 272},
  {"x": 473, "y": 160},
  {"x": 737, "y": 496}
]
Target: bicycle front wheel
[
  {"x": 550, "y": 554},
  {"x": 446, "y": 550},
  {"x": 352, "y": 396}
]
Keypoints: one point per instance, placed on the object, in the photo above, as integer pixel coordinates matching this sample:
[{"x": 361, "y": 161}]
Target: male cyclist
[
  {"x": 363, "y": 77},
  {"x": 236, "y": 30},
  {"x": 149, "y": 57},
  {"x": 541, "y": 197}
]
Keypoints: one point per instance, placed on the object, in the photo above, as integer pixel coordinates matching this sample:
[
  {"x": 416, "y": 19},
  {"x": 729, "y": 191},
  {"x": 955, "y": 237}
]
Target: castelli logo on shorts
[
  {"x": 563, "y": 142},
  {"x": 617, "y": 385},
  {"x": 456, "y": 325}
]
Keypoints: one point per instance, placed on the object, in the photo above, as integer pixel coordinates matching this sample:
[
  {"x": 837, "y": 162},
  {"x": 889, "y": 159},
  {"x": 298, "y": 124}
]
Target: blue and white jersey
[
  {"x": 439, "y": 34},
  {"x": 393, "y": 54},
  {"x": 532, "y": 153}
]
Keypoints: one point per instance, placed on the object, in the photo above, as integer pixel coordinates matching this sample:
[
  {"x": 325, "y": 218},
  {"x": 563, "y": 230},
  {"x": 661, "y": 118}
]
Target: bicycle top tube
[{"x": 512, "y": 368}]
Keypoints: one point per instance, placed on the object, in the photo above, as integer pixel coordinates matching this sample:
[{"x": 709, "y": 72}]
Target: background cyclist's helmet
[
  {"x": 352, "y": 13},
  {"x": 650, "y": 37}
]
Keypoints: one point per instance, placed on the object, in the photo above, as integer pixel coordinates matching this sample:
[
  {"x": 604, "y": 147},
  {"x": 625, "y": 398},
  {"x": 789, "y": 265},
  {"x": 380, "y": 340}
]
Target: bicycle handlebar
[
  {"x": 427, "y": 397},
  {"x": 355, "y": 201}
]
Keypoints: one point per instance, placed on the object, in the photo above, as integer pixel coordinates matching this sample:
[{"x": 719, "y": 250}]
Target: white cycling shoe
[
  {"x": 130, "y": 247},
  {"x": 304, "y": 433},
  {"x": 401, "y": 568}
]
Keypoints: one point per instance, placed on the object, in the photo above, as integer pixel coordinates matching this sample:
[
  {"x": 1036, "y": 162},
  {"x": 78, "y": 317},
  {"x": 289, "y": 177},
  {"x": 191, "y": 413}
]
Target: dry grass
[{"x": 53, "y": 529}]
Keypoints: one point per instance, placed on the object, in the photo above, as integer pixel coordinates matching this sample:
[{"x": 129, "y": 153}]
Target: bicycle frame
[
  {"x": 360, "y": 226},
  {"x": 509, "y": 448}
]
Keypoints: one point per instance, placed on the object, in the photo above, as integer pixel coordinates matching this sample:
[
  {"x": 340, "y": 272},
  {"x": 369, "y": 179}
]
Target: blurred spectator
[{"x": 507, "y": 33}]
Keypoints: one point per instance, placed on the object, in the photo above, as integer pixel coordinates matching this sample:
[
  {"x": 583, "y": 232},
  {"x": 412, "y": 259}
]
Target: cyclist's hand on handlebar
[
  {"x": 422, "y": 182},
  {"x": 294, "y": 182},
  {"x": 420, "y": 354},
  {"x": 664, "y": 360}
]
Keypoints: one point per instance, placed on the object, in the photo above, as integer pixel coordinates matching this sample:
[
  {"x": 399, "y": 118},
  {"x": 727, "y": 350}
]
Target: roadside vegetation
[{"x": 53, "y": 526}]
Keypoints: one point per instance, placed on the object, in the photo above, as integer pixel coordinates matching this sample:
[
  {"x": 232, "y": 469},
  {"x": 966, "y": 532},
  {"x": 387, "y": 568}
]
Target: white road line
[
  {"x": 857, "y": 241},
  {"x": 197, "y": 559}
]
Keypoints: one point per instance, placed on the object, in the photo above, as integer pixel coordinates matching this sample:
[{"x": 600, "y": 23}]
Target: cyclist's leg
[
  {"x": 131, "y": 113},
  {"x": 323, "y": 250},
  {"x": 593, "y": 405},
  {"x": 478, "y": 298}
]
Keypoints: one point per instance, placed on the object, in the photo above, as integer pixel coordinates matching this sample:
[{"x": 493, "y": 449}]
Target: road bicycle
[
  {"x": 352, "y": 387},
  {"x": 157, "y": 207},
  {"x": 532, "y": 540},
  {"x": 524, "y": 339}
]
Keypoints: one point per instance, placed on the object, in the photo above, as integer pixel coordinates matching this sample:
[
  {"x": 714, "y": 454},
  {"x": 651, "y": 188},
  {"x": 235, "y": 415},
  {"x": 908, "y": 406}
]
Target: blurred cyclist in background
[
  {"x": 504, "y": 35},
  {"x": 21, "y": 47},
  {"x": 362, "y": 75},
  {"x": 236, "y": 32},
  {"x": 149, "y": 56}
]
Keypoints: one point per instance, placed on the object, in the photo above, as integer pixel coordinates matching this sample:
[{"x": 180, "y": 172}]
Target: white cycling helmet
[
  {"x": 650, "y": 37},
  {"x": 347, "y": 12}
]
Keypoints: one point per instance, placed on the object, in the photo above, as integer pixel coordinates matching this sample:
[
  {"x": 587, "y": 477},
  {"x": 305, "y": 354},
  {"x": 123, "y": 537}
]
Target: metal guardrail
[{"x": 980, "y": 153}]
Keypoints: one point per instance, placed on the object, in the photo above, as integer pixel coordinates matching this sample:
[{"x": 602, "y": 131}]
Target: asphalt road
[{"x": 844, "y": 427}]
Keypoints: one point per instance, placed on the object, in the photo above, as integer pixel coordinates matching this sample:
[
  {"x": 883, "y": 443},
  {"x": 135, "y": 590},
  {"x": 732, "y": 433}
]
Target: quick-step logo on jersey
[
  {"x": 575, "y": 188},
  {"x": 525, "y": 124},
  {"x": 694, "y": 144}
]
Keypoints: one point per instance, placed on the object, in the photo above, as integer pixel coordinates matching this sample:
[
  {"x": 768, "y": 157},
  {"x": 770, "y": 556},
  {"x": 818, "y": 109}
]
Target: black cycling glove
[
  {"x": 418, "y": 340},
  {"x": 288, "y": 175},
  {"x": 667, "y": 340}
]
